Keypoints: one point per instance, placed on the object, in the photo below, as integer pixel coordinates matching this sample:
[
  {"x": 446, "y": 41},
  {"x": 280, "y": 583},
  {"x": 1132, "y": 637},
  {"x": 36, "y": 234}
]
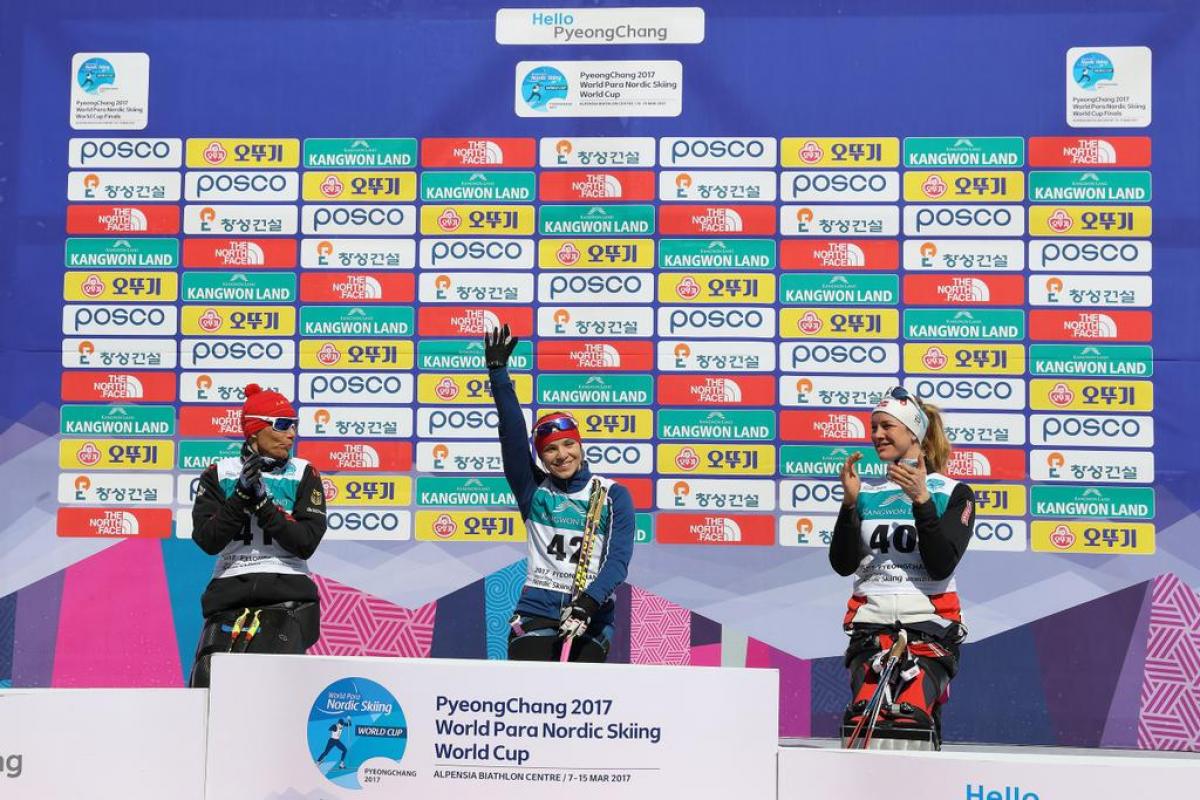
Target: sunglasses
[
  {"x": 900, "y": 393},
  {"x": 557, "y": 424},
  {"x": 281, "y": 424}
]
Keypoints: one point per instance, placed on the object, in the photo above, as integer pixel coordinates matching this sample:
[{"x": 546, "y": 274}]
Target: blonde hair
[{"x": 935, "y": 446}]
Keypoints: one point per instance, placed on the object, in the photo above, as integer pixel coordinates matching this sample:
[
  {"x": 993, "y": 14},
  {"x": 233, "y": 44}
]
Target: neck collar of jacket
[
  {"x": 575, "y": 482},
  {"x": 269, "y": 464}
]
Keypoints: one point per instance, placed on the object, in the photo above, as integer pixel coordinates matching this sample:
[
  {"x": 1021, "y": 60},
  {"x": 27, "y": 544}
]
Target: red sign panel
[
  {"x": 716, "y": 390},
  {"x": 240, "y": 253},
  {"x": 357, "y": 287},
  {"x": 825, "y": 426},
  {"x": 154, "y": 387},
  {"x": 478, "y": 152},
  {"x": 210, "y": 421},
  {"x": 115, "y": 523},
  {"x": 123, "y": 219},
  {"x": 374, "y": 456},
  {"x": 1089, "y": 151},
  {"x": 847, "y": 254},
  {"x": 699, "y": 220},
  {"x": 1074, "y": 326},
  {"x": 990, "y": 463},
  {"x": 642, "y": 490},
  {"x": 473, "y": 320},
  {"x": 964, "y": 290},
  {"x": 714, "y": 529},
  {"x": 596, "y": 186},
  {"x": 563, "y": 355}
]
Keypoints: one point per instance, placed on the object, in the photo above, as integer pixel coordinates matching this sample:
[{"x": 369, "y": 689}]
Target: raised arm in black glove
[
  {"x": 250, "y": 483},
  {"x": 498, "y": 345}
]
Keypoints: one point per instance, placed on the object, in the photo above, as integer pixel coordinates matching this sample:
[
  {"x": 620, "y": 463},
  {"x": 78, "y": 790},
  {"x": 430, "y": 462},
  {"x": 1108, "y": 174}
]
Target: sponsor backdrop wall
[{"x": 719, "y": 237}]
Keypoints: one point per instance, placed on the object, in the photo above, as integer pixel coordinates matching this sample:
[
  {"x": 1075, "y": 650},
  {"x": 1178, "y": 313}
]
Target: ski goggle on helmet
[{"x": 553, "y": 427}]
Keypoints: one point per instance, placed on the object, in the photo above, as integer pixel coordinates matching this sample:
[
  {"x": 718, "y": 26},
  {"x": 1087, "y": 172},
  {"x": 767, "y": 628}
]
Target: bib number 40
[{"x": 903, "y": 538}]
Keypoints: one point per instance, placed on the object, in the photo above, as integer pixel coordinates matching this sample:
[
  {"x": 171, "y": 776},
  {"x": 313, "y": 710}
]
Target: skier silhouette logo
[{"x": 335, "y": 742}]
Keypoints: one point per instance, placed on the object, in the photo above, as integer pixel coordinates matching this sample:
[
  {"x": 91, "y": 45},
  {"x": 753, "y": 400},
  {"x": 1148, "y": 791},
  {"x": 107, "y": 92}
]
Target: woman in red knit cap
[{"x": 262, "y": 514}]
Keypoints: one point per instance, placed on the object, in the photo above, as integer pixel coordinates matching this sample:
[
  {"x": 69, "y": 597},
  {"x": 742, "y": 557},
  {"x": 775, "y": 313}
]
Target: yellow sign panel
[
  {"x": 716, "y": 287},
  {"x": 139, "y": 454},
  {"x": 201, "y": 320},
  {"x": 817, "y": 151},
  {"x": 473, "y": 220},
  {"x": 461, "y": 389},
  {"x": 609, "y": 423},
  {"x": 596, "y": 253},
  {"x": 959, "y": 358},
  {"x": 121, "y": 287},
  {"x": 368, "y": 490},
  {"x": 1098, "y": 537},
  {"x": 999, "y": 499},
  {"x": 963, "y": 187},
  {"x": 243, "y": 153},
  {"x": 469, "y": 526},
  {"x": 1053, "y": 394},
  {"x": 1075, "y": 221},
  {"x": 716, "y": 459},
  {"x": 341, "y": 354},
  {"x": 359, "y": 187},
  {"x": 839, "y": 323}
]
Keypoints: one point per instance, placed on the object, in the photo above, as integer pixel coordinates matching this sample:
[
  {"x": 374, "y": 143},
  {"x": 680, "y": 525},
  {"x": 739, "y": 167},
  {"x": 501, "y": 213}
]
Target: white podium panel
[
  {"x": 135, "y": 744},
  {"x": 318, "y": 727},
  {"x": 829, "y": 774}
]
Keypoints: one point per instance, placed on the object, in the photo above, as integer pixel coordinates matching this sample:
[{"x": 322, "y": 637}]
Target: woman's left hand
[{"x": 910, "y": 479}]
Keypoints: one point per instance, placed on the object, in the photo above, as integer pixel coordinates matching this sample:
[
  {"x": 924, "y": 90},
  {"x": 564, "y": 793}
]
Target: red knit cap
[
  {"x": 264, "y": 403},
  {"x": 541, "y": 440}
]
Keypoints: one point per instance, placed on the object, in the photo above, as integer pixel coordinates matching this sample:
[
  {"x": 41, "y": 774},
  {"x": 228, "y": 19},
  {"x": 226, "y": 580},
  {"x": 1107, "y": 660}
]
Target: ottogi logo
[
  {"x": 343, "y": 490},
  {"x": 710, "y": 151},
  {"x": 468, "y": 152},
  {"x": 477, "y": 253},
  {"x": 116, "y": 153},
  {"x": 118, "y": 454},
  {"x": 332, "y": 220},
  {"x": 720, "y": 287},
  {"x": 123, "y": 219},
  {"x": 742, "y": 220},
  {"x": 244, "y": 153},
  {"x": 465, "y": 220},
  {"x": 360, "y": 186},
  {"x": 1062, "y": 537},
  {"x": 266, "y": 253},
  {"x": 469, "y": 526},
  {"x": 838, "y": 323},
  {"x": 840, "y": 152},
  {"x": 367, "y": 354},
  {"x": 934, "y": 359},
  {"x": 1090, "y": 220},
  {"x": 1091, "y": 395},
  {"x": 1093, "y": 537},
  {"x": 1061, "y": 395},
  {"x": 994, "y": 255},
  {"x": 147, "y": 287},
  {"x": 597, "y": 152},
  {"x": 1071, "y": 151},
  {"x": 957, "y": 187}
]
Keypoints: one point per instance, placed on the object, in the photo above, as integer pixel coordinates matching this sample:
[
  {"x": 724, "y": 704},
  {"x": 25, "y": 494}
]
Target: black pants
[
  {"x": 536, "y": 639},
  {"x": 284, "y": 629}
]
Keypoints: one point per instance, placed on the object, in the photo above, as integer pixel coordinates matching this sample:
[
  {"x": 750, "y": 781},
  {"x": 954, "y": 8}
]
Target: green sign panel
[
  {"x": 238, "y": 287},
  {"x": 117, "y": 420},
  {"x": 360, "y": 153},
  {"x": 197, "y": 454},
  {"x": 1089, "y": 187},
  {"x": 123, "y": 253},
  {"x": 582, "y": 390},
  {"x": 820, "y": 461},
  {"x": 477, "y": 187},
  {"x": 943, "y": 152},
  {"x": 1092, "y": 502},
  {"x": 987, "y": 324},
  {"x": 464, "y": 492},
  {"x": 838, "y": 289},
  {"x": 643, "y": 528},
  {"x": 1093, "y": 360},
  {"x": 356, "y": 321},
  {"x": 716, "y": 254},
  {"x": 466, "y": 355},
  {"x": 584, "y": 220},
  {"x": 751, "y": 425}
]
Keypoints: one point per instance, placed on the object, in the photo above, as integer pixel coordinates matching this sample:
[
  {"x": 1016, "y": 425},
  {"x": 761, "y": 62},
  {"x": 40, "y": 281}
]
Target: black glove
[
  {"x": 577, "y": 616},
  {"x": 497, "y": 347},
  {"x": 249, "y": 483}
]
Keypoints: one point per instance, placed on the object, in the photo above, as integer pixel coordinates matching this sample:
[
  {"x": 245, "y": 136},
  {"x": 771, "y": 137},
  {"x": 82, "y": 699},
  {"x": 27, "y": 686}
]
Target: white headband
[{"x": 907, "y": 411}]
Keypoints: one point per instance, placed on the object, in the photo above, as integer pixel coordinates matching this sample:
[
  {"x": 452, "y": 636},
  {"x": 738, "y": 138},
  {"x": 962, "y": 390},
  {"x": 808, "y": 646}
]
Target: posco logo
[
  {"x": 718, "y": 321},
  {"x": 596, "y": 287},
  {"x": 1068, "y": 254},
  {"x": 126, "y": 152},
  {"x": 476, "y": 253},
  {"x": 712, "y": 151}
]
